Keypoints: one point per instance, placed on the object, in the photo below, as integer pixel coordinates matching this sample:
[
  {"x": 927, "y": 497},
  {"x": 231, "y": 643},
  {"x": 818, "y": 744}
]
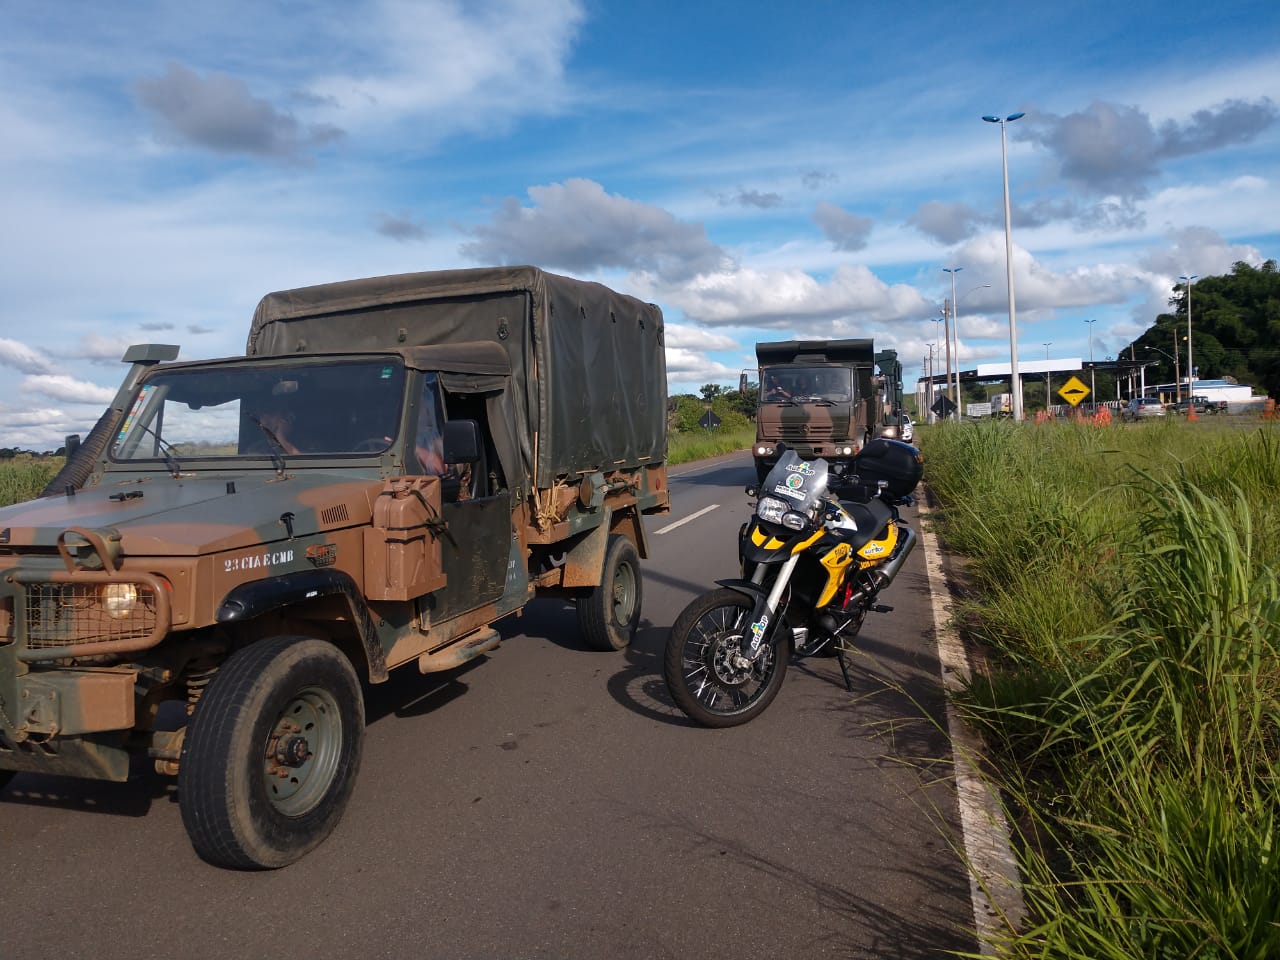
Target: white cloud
[
  {"x": 695, "y": 338},
  {"x": 779, "y": 299},
  {"x": 22, "y": 357},
  {"x": 467, "y": 66},
  {"x": 63, "y": 387},
  {"x": 577, "y": 226}
]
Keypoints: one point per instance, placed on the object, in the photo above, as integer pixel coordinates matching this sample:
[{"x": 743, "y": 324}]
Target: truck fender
[
  {"x": 250, "y": 600},
  {"x": 629, "y": 524}
]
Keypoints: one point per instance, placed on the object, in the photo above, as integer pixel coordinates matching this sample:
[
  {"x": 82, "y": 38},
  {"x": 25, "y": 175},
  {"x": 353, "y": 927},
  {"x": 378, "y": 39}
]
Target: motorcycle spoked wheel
[{"x": 698, "y": 664}]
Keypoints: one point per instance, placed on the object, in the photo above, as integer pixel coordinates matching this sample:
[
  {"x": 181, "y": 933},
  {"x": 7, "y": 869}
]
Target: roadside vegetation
[
  {"x": 688, "y": 439},
  {"x": 22, "y": 477},
  {"x": 1121, "y": 591}
]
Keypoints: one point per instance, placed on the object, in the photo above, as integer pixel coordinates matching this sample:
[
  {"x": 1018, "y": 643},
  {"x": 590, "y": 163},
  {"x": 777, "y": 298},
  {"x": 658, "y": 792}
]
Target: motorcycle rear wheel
[{"x": 698, "y": 670}]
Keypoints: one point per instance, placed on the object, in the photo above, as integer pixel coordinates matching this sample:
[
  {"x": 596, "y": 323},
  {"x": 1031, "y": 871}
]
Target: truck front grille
[
  {"x": 79, "y": 615},
  {"x": 805, "y": 431}
]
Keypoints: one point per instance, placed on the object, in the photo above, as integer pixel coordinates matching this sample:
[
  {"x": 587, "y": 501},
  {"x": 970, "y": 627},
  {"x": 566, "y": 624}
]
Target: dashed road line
[{"x": 681, "y": 523}]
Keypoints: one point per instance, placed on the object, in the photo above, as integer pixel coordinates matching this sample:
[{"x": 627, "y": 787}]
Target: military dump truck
[
  {"x": 396, "y": 464},
  {"x": 821, "y": 398}
]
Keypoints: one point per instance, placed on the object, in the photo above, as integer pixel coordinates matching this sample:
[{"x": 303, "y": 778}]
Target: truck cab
[
  {"x": 820, "y": 398},
  {"x": 256, "y": 537}
]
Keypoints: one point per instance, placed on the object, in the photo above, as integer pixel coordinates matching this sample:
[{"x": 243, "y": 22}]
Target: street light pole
[
  {"x": 946, "y": 336},
  {"x": 946, "y": 380},
  {"x": 929, "y": 386},
  {"x": 955, "y": 330},
  {"x": 1093, "y": 381},
  {"x": 1015, "y": 381},
  {"x": 1048, "y": 395},
  {"x": 1177, "y": 374},
  {"x": 1191, "y": 368}
]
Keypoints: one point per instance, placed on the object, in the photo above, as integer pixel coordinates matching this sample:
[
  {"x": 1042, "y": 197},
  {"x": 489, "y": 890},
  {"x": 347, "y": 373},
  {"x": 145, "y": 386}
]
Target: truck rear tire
[
  {"x": 271, "y": 754},
  {"x": 609, "y": 613}
]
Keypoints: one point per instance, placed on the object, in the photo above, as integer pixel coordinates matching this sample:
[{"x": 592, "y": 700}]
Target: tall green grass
[
  {"x": 23, "y": 479},
  {"x": 1125, "y": 595},
  {"x": 683, "y": 447}
]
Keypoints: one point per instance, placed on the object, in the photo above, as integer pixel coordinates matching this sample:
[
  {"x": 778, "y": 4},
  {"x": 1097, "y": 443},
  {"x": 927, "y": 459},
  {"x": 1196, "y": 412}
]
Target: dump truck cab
[{"x": 820, "y": 398}]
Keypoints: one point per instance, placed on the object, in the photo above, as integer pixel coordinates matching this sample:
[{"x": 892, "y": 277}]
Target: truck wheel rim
[
  {"x": 303, "y": 751},
  {"x": 624, "y": 593}
]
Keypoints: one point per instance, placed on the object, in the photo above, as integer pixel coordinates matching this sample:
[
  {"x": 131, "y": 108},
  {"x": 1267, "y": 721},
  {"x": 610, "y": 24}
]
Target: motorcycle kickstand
[{"x": 844, "y": 670}]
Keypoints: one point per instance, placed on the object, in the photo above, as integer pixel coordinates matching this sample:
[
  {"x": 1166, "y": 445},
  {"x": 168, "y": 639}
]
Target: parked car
[
  {"x": 1140, "y": 407},
  {"x": 1200, "y": 405}
]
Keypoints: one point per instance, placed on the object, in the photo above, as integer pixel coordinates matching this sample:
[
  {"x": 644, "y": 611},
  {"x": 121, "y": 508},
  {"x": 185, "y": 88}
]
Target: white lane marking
[
  {"x": 994, "y": 888},
  {"x": 681, "y": 523}
]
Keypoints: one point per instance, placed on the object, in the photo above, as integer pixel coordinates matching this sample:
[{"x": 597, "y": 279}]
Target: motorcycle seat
[{"x": 871, "y": 518}]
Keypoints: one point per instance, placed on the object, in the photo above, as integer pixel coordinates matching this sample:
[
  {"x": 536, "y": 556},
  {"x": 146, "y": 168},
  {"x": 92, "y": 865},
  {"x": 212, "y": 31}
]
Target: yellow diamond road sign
[{"x": 1073, "y": 391}]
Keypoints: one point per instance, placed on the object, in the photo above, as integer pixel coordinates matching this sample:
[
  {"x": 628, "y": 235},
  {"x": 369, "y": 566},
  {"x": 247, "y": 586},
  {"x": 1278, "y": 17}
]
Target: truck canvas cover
[{"x": 588, "y": 366}]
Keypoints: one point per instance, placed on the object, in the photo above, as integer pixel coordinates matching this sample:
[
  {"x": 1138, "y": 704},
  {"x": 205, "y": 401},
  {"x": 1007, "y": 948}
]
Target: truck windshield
[
  {"x": 347, "y": 407},
  {"x": 833, "y": 384}
]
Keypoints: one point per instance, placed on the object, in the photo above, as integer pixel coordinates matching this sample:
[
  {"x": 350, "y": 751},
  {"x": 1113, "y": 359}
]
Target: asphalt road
[{"x": 549, "y": 801}]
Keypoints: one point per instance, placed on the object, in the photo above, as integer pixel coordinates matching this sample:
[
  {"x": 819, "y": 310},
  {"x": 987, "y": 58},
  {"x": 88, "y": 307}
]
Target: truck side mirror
[{"x": 461, "y": 441}]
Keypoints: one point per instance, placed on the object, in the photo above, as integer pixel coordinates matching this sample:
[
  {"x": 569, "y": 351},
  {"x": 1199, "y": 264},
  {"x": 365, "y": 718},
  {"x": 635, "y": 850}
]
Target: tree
[
  {"x": 711, "y": 390},
  {"x": 1235, "y": 329}
]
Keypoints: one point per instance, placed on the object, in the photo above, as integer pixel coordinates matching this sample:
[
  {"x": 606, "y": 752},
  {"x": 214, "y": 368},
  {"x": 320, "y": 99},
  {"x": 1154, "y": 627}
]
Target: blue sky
[{"x": 762, "y": 171}]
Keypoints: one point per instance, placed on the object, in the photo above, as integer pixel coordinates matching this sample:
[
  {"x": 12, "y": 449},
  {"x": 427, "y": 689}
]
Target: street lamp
[
  {"x": 929, "y": 387},
  {"x": 1177, "y": 375},
  {"x": 941, "y": 320},
  {"x": 1191, "y": 367},
  {"x": 1093, "y": 382},
  {"x": 1015, "y": 381},
  {"x": 1048, "y": 396},
  {"x": 955, "y": 332}
]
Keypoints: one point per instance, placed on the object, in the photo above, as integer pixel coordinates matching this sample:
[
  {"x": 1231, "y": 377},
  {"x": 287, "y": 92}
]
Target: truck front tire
[
  {"x": 271, "y": 754},
  {"x": 609, "y": 613}
]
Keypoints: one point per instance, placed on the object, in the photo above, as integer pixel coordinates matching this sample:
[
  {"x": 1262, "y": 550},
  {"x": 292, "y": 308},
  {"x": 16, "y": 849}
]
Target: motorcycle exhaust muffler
[{"x": 882, "y": 576}]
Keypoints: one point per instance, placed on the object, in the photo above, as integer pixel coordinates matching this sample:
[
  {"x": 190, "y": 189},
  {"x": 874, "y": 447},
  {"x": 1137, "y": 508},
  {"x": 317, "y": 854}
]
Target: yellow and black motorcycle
[{"x": 813, "y": 566}]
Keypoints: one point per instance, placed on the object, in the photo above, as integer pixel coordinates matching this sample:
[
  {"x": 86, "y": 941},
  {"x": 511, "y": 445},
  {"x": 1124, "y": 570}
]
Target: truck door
[{"x": 476, "y": 503}]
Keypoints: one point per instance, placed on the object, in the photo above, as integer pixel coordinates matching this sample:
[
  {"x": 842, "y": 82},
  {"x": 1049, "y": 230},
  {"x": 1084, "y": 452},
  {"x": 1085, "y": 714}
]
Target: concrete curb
[{"x": 994, "y": 886}]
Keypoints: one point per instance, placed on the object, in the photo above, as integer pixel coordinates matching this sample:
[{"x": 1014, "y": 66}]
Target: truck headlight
[
  {"x": 763, "y": 451},
  {"x": 119, "y": 599}
]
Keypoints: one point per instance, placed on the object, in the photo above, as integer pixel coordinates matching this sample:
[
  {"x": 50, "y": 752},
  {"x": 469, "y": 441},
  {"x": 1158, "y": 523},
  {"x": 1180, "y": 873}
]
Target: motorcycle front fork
[{"x": 763, "y": 613}]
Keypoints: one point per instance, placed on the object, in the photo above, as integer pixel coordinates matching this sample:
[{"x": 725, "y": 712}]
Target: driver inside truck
[
  {"x": 275, "y": 428},
  {"x": 774, "y": 388}
]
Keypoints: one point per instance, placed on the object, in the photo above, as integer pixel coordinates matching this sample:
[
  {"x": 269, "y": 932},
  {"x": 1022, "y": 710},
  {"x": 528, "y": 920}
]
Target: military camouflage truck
[
  {"x": 396, "y": 464},
  {"x": 821, "y": 398}
]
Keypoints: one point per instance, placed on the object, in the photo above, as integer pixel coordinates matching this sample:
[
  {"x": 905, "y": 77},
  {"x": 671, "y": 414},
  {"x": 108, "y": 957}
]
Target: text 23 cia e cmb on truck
[{"x": 396, "y": 464}]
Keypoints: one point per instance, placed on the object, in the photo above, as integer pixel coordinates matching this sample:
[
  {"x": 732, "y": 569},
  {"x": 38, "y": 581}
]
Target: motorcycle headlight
[
  {"x": 771, "y": 509},
  {"x": 119, "y": 599},
  {"x": 794, "y": 521}
]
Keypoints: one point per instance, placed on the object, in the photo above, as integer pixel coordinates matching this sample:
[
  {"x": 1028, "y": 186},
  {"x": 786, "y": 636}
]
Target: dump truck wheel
[
  {"x": 609, "y": 614},
  {"x": 271, "y": 755}
]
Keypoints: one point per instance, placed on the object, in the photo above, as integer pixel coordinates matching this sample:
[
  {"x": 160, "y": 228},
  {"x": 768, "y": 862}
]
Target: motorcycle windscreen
[{"x": 801, "y": 482}]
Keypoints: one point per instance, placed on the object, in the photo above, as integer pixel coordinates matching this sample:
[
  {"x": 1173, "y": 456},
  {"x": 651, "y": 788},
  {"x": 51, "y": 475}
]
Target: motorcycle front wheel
[{"x": 699, "y": 669}]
